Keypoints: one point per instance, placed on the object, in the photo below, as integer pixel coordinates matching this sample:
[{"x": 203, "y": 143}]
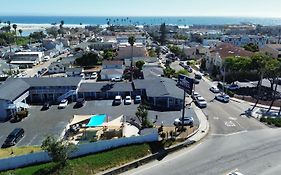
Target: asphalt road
[
  {"x": 235, "y": 143},
  {"x": 252, "y": 153},
  {"x": 226, "y": 118}
]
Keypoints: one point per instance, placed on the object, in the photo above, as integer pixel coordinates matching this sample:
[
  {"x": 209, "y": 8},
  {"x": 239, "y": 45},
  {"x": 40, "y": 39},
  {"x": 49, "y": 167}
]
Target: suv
[
  {"x": 13, "y": 138},
  {"x": 201, "y": 102},
  {"x": 187, "y": 121},
  {"x": 198, "y": 76}
]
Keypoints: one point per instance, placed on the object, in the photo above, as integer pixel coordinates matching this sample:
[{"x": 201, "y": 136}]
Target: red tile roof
[{"x": 228, "y": 50}]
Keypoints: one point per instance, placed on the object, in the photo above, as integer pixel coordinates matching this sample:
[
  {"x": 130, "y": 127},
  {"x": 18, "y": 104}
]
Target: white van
[{"x": 46, "y": 58}]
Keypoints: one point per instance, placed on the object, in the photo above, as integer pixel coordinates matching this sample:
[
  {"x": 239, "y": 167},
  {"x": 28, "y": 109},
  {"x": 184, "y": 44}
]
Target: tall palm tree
[
  {"x": 131, "y": 41},
  {"x": 274, "y": 68},
  {"x": 20, "y": 31},
  {"x": 15, "y": 28},
  {"x": 259, "y": 62}
]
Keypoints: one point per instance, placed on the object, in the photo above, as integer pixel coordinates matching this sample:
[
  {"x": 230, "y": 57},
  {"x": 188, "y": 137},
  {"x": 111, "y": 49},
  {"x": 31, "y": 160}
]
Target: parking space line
[{"x": 29, "y": 143}]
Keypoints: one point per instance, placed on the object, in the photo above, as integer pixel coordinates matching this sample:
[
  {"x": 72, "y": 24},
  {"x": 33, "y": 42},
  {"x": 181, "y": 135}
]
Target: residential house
[
  {"x": 27, "y": 59},
  {"x": 74, "y": 71},
  {"x": 217, "y": 55},
  {"x": 242, "y": 40},
  {"x": 111, "y": 69},
  {"x": 124, "y": 39},
  {"x": 125, "y": 51},
  {"x": 273, "y": 50},
  {"x": 56, "y": 67}
]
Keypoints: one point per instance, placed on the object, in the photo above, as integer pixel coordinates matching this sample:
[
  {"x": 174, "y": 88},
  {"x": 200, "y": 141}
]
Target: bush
[
  {"x": 263, "y": 119},
  {"x": 230, "y": 93},
  {"x": 22, "y": 114}
]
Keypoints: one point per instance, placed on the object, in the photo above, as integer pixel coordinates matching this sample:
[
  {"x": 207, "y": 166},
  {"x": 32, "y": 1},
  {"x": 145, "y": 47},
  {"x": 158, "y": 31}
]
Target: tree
[
  {"x": 251, "y": 47},
  {"x": 163, "y": 33},
  {"x": 152, "y": 53},
  {"x": 203, "y": 65},
  {"x": 139, "y": 64},
  {"x": 58, "y": 150},
  {"x": 168, "y": 71},
  {"x": 182, "y": 71},
  {"x": 141, "y": 114},
  {"x": 89, "y": 59},
  {"x": 158, "y": 51},
  {"x": 38, "y": 36},
  {"x": 15, "y": 28},
  {"x": 52, "y": 31},
  {"x": 108, "y": 54},
  {"x": 131, "y": 41},
  {"x": 259, "y": 64},
  {"x": 20, "y": 32}
]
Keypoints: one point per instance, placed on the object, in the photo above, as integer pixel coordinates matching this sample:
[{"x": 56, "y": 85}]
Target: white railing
[{"x": 66, "y": 95}]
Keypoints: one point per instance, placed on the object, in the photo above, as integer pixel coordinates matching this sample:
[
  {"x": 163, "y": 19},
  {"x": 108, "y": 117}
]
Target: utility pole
[{"x": 223, "y": 81}]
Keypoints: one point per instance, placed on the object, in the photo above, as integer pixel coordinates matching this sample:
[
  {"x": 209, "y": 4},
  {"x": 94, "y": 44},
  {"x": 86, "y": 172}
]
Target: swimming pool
[{"x": 96, "y": 120}]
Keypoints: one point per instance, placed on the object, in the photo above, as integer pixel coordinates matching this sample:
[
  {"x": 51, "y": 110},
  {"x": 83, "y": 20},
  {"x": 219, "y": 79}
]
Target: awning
[
  {"x": 23, "y": 62},
  {"x": 80, "y": 118},
  {"x": 96, "y": 120}
]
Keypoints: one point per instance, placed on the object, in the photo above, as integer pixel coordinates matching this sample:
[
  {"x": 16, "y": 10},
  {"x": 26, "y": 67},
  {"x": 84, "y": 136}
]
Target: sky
[{"x": 237, "y": 8}]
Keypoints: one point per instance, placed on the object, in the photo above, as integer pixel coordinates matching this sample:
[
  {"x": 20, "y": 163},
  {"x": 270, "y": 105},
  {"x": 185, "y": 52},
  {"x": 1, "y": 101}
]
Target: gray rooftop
[
  {"x": 159, "y": 87},
  {"x": 53, "y": 81},
  {"x": 110, "y": 87},
  {"x": 13, "y": 88}
]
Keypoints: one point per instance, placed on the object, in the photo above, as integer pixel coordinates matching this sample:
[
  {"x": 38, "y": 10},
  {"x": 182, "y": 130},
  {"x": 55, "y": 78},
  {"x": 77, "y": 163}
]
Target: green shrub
[
  {"x": 22, "y": 114},
  {"x": 263, "y": 119}
]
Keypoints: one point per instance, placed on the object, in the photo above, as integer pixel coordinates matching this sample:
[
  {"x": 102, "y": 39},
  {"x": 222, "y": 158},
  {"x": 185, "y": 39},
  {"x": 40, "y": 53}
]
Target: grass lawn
[
  {"x": 15, "y": 151},
  {"x": 90, "y": 164}
]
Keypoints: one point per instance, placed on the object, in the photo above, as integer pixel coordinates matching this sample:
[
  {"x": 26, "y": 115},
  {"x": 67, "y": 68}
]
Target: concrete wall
[{"x": 83, "y": 149}]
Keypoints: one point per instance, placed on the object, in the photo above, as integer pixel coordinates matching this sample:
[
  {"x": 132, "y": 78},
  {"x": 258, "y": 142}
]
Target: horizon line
[{"x": 135, "y": 16}]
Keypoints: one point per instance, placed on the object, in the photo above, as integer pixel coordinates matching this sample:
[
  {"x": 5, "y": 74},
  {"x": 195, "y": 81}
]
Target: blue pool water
[{"x": 96, "y": 120}]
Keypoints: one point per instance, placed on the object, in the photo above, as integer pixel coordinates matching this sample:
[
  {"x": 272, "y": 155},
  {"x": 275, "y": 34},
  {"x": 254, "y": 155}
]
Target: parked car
[
  {"x": 80, "y": 102},
  {"x": 201, "y": 102},
  {"x": 196, "y": 81},
  {"x": 14, "y": 137},
  {"x": 94, "y": 75},
  {"x": 117, "y": 100},
  {"x": 222, "y": 97},
  {"x": 63, "y": 104},
  {"x": 233, "y": 87},
  {"x": 198, "y": 76},
  {"x": 214, "y": 89},
  {"x": 116, "y": 79},
  {"x": 187, "y": 121},
  {"x": 194, "y": 95},
  {"x": 46, "y": 106},
  {"x": 189, "y": 69},
  {"x": 182, "y": 64},
  {"x": 137, "y": 99},
  {"x": 128, "y": 100}
]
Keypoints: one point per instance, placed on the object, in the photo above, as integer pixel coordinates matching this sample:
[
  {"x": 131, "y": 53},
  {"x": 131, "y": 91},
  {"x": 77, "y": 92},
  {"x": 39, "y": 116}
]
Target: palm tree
[
  {"x": 15, "y": 28},
  {"x": 274, "y": 68},
  {"x": 20, "y": 31},
  {"x": 259, "y": 62},
  {"x": 131, "y": 41}
]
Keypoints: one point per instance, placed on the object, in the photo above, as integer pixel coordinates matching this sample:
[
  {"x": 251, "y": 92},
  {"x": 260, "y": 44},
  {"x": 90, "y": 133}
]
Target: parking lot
[{"x": 53, "y": 121}]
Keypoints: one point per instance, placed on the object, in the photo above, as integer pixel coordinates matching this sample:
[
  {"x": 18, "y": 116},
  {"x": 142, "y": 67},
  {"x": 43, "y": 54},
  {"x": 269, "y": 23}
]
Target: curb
[{"x": 149, "y": 158}]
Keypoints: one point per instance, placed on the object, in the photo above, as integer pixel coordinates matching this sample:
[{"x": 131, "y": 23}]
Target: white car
[
  {"x": 94, "y": 75},
  {"x": 214, "y": 89},
  {"x": 222, "y": 97},
  {"x": 128, "y": 100},
  {"x": 201, "y": 102},
  {"x": 194, "y": 95},
  {"x": 187, "y": 121},
  {"x": 116, "y": 79},
  {"x": 63, "y": 104},
  {"x": 137, "y": 99}
]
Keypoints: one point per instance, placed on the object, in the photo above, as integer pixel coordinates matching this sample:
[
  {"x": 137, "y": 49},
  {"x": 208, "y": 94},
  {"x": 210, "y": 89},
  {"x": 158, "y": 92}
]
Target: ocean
[{"x": 91, "y": 20}]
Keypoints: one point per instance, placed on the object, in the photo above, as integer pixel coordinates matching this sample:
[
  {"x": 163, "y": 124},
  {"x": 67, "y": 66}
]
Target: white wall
[{"x": 83, "y": 149}]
